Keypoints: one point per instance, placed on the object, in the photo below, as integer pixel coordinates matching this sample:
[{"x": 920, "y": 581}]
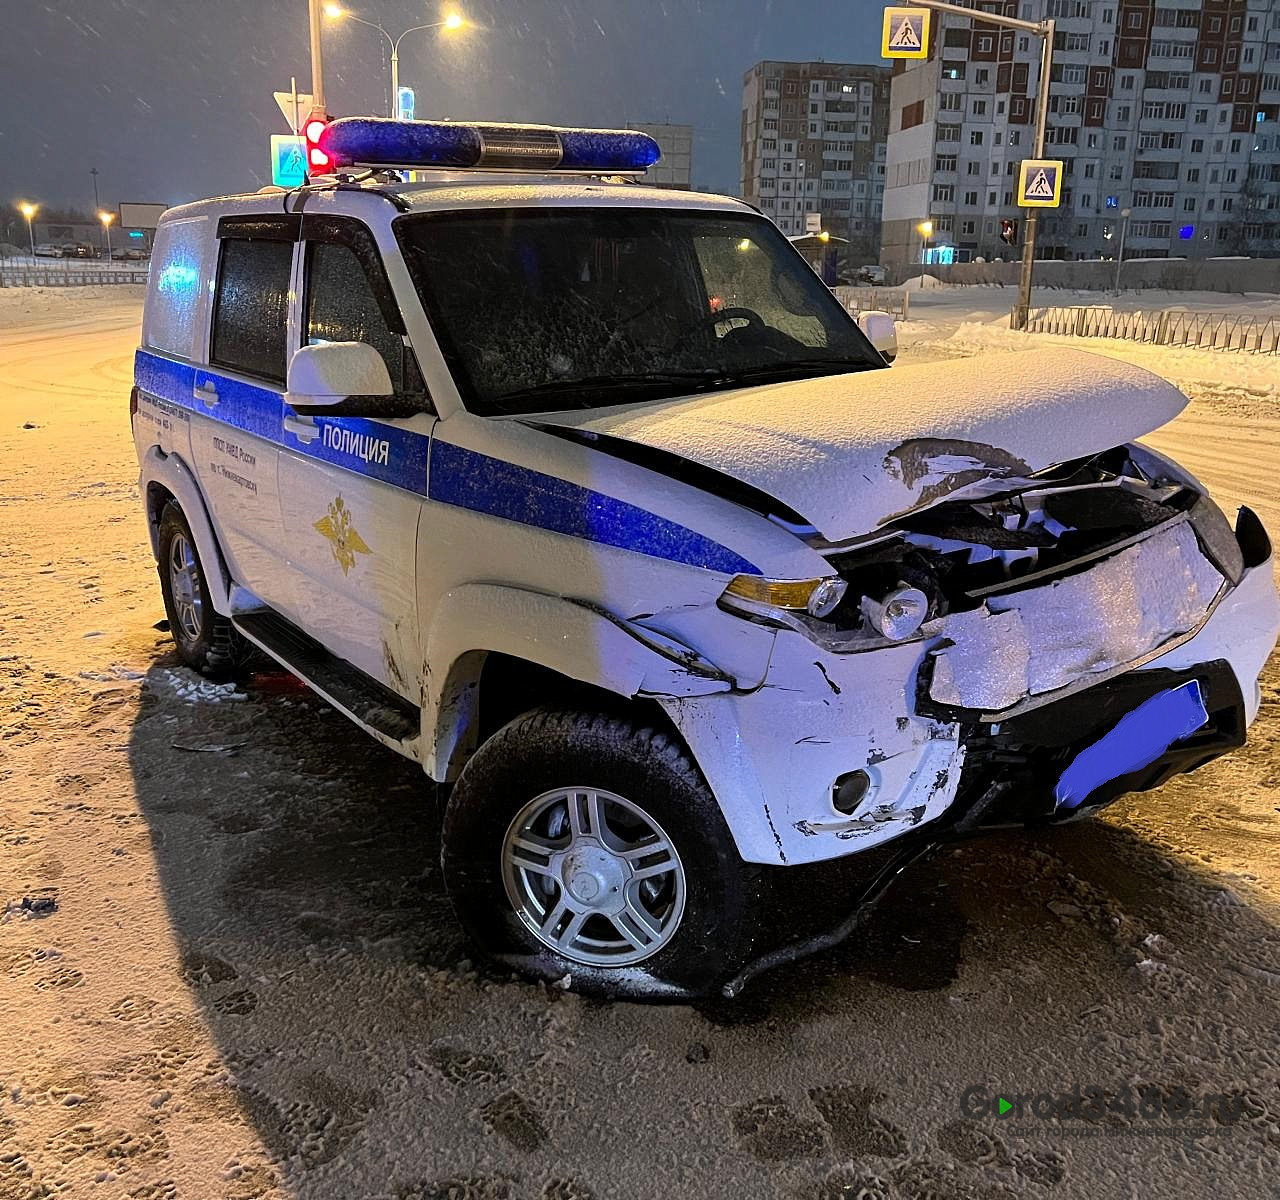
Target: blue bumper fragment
[{"x": 1137, "y": 740}]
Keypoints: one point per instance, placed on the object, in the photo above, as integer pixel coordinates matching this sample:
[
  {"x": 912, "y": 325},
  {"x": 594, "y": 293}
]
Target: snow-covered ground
[{"x": 251, "y": 985}]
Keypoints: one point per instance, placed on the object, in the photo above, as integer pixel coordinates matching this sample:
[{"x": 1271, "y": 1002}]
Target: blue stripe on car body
[
  {"x": 468, "y": 479},
  {"x": 458, "y": 477}
]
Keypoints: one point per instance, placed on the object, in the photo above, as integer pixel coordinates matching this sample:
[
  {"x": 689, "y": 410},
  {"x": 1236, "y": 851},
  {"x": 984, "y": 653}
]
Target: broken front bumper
[{"x": 775, "y": 757}]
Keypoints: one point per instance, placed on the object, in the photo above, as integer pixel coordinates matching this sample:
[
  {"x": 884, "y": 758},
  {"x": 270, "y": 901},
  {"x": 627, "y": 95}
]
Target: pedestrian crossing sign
[
  {"x": 1040, "y": 183},
  {"x": 905, "y": 33},
  {"x": 288, "y": 160}
]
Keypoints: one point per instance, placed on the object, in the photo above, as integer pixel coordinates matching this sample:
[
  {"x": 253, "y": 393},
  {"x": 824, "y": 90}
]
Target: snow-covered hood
[{"x": 850, "y": 452}]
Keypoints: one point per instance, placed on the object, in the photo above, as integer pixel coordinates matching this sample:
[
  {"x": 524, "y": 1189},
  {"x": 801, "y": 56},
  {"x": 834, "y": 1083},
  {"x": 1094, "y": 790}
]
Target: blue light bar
[{"x": 379, "y": 142}]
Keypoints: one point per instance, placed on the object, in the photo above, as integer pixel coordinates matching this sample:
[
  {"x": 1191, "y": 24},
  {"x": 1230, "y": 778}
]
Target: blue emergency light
[{"x": 409, "y": 145}]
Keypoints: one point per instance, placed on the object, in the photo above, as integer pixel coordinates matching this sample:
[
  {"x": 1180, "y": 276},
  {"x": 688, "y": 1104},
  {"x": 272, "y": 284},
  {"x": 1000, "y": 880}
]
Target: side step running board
[{"x": 367, "y": 700}]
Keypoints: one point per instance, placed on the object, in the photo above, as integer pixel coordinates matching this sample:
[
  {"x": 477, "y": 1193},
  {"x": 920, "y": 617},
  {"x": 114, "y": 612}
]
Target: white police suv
[{"x": 593, "y": 500}]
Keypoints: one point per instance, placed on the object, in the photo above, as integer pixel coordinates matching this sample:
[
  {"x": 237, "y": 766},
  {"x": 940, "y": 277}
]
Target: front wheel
[
  {"x": 590, "y": 846},
  {"x": 206, "y": 641}
]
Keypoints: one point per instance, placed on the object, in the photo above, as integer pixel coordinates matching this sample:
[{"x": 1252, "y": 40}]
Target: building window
[
  {"x": 975, "y": 137},
  {"x": 971, "y": 199},
  {"x": 944, "y": 192}
]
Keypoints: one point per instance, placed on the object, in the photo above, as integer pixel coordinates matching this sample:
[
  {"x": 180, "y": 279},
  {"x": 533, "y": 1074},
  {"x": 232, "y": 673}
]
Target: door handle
[
  {"x": 304, "y": 429},
  {"x": 206, "y": 393}
]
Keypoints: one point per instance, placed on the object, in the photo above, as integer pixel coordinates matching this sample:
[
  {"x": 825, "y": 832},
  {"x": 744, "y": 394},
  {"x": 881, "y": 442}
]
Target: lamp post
[
  {"x": 1045, "y": 31},
  {"x": 29, "y": 211},
  {"x": 317, "y": 56},
  {"x": 926, "y": 231},
  {"x": 1125, "y": 214},
  {"x": 454, "y": 21},
  {"x": 106, "y": 218}
]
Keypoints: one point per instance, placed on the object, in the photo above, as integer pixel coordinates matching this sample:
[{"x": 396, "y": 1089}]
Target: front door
[{"x": 352, "y": 486}]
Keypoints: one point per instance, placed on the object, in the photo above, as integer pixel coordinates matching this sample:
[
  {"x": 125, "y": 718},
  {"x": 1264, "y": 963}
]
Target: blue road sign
[
  {"x": 404, "y": 104},
  {"x": 288, "y": 160}
]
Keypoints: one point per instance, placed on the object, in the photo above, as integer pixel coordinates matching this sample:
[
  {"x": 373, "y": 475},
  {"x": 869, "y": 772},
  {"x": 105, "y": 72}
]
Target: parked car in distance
[
  {"x": 48, "y": 250},
  {"x": 78, "y": 250},
  {"x": 871, "y": 273}
]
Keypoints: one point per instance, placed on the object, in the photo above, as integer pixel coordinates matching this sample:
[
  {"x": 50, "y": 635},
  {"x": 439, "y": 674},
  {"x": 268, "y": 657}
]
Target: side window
[
  {"x": 251, "y": 309},
  {"x": 343, "y": 307}
]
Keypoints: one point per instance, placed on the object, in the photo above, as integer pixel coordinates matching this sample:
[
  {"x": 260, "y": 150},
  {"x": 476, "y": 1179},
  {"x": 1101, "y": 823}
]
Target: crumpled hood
[{"x": 850, "y": 452}]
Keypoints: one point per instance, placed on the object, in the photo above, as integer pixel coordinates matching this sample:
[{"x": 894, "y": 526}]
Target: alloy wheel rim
[
  {"x": 593, "y": 876},
  {"x": 184, "y": 584}
]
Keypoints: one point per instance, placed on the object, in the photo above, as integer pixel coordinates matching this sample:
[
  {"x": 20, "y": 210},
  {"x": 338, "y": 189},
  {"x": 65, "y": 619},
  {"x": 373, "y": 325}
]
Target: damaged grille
[
  {"x": 1033, "y": 641},
  {"x": 1083, "y": 570}
]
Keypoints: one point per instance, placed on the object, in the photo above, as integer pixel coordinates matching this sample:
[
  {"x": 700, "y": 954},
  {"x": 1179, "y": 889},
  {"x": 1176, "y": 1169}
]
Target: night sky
[{"x": 171, "y": 99}]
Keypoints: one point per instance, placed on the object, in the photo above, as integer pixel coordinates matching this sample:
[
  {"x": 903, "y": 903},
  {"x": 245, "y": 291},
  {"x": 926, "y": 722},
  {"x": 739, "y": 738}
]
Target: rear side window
[
  {"x": 172, "y": 320},
  {"x": 251, "y": 309},
  {"x": 342, "y": 307}
]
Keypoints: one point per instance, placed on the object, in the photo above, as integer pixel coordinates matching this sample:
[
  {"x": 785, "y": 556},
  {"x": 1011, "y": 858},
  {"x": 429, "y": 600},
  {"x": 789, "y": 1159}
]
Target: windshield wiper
[
  {"x": 644, "y": 381},
  {"x": 704, "y": 379},
  {"x": 823, "y": 366}
]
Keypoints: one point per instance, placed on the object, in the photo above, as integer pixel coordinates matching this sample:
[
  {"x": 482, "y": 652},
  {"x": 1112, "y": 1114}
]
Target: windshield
[{"x": 545, "y": 309}]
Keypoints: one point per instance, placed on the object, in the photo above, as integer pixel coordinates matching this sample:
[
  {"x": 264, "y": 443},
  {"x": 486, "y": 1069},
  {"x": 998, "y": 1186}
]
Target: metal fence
[
  {"x": 28, "y": 272},
  {"x": 895, "y": 301},
  {"x": 1167, "y": 327},
  {"x": 55, "y": 277}
]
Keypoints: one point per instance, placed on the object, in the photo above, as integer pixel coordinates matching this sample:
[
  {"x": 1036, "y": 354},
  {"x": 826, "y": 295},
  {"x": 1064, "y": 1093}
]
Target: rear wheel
[
  {"x": 590, "y": 846},
  {"x": 206, "y": 641}
]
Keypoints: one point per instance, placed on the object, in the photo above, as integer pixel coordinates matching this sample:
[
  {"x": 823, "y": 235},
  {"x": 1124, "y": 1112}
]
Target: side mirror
[
  {"x": 881, "y": 332},
  {"x": 324, "y": 375}
]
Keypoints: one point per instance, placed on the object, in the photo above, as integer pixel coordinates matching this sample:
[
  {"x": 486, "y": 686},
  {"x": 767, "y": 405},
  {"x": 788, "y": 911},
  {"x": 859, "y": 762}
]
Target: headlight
[{"x": 817, "y": 597}]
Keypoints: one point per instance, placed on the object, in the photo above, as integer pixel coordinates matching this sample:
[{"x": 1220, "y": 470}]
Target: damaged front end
[
  {"x": 967, "y": 652},
  {"x": 1056, "y": 609}
]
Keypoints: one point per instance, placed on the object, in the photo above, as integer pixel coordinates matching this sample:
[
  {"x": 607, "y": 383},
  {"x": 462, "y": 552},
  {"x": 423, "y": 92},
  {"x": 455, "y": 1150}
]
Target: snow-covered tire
[
  {"x": 643, "y": 775},
  {"x": 206, "y": 641}
]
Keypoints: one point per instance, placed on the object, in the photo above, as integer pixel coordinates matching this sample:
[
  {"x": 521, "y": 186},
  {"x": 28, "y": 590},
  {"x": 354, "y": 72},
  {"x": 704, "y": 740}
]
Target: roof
[{"x": 453, "y": 189}]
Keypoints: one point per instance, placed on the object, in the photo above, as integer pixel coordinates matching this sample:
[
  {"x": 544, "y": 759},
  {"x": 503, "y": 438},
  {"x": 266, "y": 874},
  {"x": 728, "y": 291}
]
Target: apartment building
[
  {"x": 675, "y": 168},
  {"x": 813, "y": 141},
  {"x": 1169, "y": 108}
]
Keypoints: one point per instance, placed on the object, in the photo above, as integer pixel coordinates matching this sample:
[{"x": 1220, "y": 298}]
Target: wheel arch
[
  {"x": 165, "y": 478},
  {"x": 494, "y": 652}
]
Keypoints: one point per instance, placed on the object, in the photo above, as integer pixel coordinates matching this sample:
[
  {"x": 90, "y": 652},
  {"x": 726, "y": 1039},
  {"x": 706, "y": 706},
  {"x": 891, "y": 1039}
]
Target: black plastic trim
[
  {"x": 1255, "y": 542},
  {"x": 264, "y": 227}
]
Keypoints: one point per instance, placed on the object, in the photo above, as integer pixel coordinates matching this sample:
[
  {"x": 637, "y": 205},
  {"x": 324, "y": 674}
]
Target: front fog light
[{"x": 899, "y": 614}]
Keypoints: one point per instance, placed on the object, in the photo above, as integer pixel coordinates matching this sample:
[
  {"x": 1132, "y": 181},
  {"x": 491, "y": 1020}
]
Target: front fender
[
  {"x": 573, "y": 638},
  {"x": 172, "y": 474}
]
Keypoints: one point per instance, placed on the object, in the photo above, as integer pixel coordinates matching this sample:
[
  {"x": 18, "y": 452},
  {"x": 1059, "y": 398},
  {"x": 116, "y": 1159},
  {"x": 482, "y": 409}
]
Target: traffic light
[
  {"x": 318, "y": 162},
  {"x": 1009, "y": 232}
]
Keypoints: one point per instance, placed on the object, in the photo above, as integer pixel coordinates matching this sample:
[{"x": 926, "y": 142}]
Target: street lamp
[
  {"x": 451, "y": 24},
  {"x": 29, "y": 211},
  {"x": 1125, "y": 214},
  {"x": 925, "y": 229},
  {"x": 106, "y": 218}
]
